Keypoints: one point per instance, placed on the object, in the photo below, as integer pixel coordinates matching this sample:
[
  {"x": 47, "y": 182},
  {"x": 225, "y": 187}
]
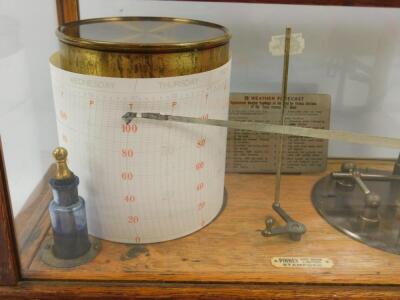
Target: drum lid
[{"x": 143, "y": 34}]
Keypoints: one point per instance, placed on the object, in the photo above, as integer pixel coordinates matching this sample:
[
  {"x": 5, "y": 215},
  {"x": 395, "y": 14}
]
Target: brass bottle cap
[{"x": 63, "y": 172}]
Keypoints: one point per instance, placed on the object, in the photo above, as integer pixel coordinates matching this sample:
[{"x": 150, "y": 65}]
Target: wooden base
[
  {"x": 118, "y": 290},
  {"x": 231, "y": 249}
]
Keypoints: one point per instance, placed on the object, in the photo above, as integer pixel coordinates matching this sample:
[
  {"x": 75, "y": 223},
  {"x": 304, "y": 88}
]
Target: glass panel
[
  {"x": 144, "y": 31},
  {"x": 26, "y": 106},
  {"x": 27, "y": 119},
  {"x": 154, "y": 196}
]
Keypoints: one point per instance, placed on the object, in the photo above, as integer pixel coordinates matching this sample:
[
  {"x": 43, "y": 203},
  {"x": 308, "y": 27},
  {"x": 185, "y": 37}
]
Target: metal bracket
[
  {"x": 293, "y": 228},
  {"x": 349, "y": 176},
  {"x": 363, "y": 203}
]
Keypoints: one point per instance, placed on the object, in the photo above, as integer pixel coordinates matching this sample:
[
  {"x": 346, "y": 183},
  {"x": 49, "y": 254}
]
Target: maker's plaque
[{"x": 252, "y": 152}]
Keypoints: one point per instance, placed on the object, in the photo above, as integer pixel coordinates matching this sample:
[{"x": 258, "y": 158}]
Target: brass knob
[{"x": 60, "y": 155}]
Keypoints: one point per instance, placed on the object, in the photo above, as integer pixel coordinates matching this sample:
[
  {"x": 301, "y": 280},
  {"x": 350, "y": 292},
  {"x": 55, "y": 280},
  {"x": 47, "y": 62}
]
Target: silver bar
[
  {"x": 362, "y": 185},
  {"x": 363, "y": 176},
  {"x": 350, "y": 137}
]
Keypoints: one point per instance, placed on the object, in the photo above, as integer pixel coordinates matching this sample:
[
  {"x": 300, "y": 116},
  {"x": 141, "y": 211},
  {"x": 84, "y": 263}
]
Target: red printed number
[
  {"x": 63, "y": 115},
  {"x": 133, "y": 219},
  {"x": 127, "y": 152},
  {"x": 129, "y": 128},
  {"x": 201, "y": 142},
  {"x": 200, "y": 165},
  {"x": 201, "y": 205},
  {"x": 200, "y": 186},
  {"x": 129, "y": 198},
  {"x": 127, "y": 175}
]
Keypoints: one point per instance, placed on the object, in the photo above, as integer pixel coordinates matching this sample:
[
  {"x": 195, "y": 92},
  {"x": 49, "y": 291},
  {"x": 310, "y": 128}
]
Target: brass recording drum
[
  {"x": 143, "y": 182},
  {"x": 142, "y": 47}
]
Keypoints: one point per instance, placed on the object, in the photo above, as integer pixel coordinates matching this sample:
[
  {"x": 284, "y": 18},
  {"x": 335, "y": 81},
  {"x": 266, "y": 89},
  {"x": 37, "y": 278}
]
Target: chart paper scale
[{"x": 146, "y": 181}]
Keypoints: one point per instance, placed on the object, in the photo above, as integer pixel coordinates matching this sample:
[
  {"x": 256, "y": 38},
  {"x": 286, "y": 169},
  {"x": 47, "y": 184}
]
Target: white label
[
  {"x": 302, "y": 262},
  {"x": 277, "y": 44}
]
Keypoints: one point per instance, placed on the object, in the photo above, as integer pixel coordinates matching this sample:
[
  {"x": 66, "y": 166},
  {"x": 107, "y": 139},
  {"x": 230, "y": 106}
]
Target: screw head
[
  {"x": 348, "y": 167},
  {"x": 297, "y": 228},
  {"x": 372, "y": 200},
  {"x": 269, "y": 222}
]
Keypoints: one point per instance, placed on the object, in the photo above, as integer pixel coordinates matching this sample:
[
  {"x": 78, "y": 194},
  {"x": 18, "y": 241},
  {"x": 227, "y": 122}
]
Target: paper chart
[{"x": 146, "y": 181}]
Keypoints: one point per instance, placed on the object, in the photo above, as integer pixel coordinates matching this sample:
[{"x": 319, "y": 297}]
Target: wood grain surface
[
  {"x": 117, "y": 290},
  {"x": 9, "y": 263},
  {"x": 67, "y": 11},
  {"x": 33, "y": 223},
  {"x": 232, "y": 250}
]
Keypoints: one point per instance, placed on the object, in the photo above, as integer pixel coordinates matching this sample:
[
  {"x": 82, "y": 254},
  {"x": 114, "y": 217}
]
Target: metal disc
[
  {"x": 342, "y": 208},
  {"x": 49, "y": 259}
]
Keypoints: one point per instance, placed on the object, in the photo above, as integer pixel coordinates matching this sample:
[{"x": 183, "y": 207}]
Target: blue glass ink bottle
[{"x": 67, "y": 212}]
